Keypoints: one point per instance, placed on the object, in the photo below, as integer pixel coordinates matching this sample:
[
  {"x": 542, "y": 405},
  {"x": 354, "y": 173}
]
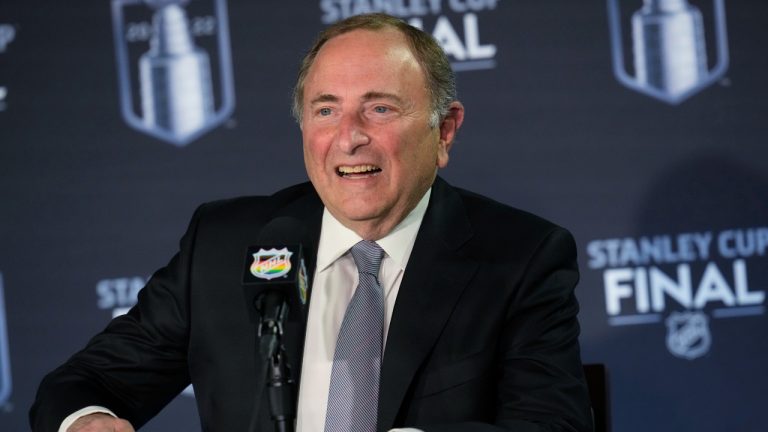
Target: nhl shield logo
[
  {"x": 688, "y": 334},
  {"x": 174, "y": 66},
  {"x": 271, "y": 264},
  {"x": 669, "y": 47}
]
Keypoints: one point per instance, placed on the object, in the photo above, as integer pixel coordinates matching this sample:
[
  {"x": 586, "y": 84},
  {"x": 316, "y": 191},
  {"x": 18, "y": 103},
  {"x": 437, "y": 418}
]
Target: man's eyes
[{"x": 376, "y": 109}]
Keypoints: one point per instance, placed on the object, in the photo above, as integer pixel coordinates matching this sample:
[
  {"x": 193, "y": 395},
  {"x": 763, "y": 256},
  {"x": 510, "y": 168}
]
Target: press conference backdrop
[{"x": 639, "y": 125}]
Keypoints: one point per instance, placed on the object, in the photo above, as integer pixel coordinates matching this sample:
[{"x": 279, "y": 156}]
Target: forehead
[
  {"x": 365, "y": 58},
  {"x": 376, "y": 42}
]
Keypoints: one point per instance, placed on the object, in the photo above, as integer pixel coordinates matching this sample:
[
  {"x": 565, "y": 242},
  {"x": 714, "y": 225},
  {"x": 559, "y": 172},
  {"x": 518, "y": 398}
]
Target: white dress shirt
[{"x": 334, "y": 284}]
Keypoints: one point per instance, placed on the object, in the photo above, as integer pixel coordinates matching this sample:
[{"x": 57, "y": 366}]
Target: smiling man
[
  {"x": 371, "y": 144},
  {"x": 431, "y": 308}
]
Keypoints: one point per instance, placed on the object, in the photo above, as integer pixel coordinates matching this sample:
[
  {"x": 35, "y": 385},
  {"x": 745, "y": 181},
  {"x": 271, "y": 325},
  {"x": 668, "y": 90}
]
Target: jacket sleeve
[
  {"x": 138, "y": 363},
  {"x": 542, "y": 386}
]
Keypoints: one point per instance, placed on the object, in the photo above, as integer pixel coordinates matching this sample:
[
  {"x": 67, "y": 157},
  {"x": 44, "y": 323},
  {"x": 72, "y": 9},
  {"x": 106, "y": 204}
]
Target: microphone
[
  {"x": 275, "y": 287},
  {"x": 275, "y": 272}
]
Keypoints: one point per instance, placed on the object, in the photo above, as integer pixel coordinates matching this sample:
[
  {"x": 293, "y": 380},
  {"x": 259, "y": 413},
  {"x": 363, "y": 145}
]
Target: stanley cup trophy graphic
[
  {"x": 670, "y": 51},
  {"x": 175, "y": 76},
  {"x": 175, "y": 81},
  {"x": 669, "y": 48}
]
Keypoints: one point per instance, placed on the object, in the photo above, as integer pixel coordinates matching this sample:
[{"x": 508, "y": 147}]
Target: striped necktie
[{"x": 353, "y": 395}]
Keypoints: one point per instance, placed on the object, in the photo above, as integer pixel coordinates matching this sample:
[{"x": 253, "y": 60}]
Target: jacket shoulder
[
  {"x": 490, "y": 216},
  {"x": 255, "y": 207},
  {"x": 504, "y": 234}
]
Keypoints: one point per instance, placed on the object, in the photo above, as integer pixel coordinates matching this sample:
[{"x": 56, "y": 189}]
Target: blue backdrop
[{"x": 640, "y": 128}]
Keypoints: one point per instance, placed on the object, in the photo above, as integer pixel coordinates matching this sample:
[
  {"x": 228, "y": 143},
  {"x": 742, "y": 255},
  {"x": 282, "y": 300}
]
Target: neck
[{"x": 372, "y": 230}]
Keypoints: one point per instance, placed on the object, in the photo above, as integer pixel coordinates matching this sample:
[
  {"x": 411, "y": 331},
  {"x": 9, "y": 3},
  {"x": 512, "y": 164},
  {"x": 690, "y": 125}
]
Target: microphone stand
[{"x": 273, "y": 310}]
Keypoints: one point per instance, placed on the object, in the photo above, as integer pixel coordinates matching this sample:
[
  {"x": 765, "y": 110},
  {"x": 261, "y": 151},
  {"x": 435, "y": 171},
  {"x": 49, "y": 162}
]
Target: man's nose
[{"x": 352, "y": 133}]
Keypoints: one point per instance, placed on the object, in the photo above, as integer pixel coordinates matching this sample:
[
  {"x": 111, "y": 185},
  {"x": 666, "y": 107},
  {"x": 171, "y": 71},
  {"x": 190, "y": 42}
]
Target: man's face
[{"x": 368, "y": 147}]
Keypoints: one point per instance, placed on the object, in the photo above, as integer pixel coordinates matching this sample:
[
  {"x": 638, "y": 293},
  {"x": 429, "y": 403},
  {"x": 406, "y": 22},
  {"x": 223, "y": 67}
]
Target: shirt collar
[{"x": 336, "y": 239}]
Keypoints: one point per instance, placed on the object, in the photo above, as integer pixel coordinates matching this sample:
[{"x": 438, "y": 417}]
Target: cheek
[
  {"x": 427, "y": 155},
  {"x": 314, "y": 151},
  {"x": 313, "y": 163}
]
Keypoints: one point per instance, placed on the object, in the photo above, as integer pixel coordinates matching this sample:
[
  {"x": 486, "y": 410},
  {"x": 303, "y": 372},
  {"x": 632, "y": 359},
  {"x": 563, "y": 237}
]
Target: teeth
[{"x": 357, "y": 169}]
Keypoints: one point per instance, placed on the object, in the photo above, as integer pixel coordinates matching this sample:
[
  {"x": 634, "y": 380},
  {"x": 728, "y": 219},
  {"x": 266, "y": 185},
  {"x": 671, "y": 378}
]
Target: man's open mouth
[{"x": 352, "y": 170}]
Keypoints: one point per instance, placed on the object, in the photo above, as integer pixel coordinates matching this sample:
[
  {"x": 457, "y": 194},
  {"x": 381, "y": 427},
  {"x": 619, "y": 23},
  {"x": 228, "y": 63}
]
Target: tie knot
[{"x": 367, "y": 255}]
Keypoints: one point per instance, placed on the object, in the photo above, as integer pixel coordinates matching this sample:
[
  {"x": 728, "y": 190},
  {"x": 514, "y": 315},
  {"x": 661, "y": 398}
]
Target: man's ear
[{"x": 448, "y": 129}]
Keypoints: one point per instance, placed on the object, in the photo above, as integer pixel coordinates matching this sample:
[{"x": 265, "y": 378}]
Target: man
[{"x": 479, "y": 317}]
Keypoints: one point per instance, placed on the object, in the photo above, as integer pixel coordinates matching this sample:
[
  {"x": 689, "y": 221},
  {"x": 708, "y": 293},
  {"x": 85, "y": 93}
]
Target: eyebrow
[
  {"x": 371, "y": 95},
  {"x": 381, "y": 95},
  {"x": 324, "y": 98}
]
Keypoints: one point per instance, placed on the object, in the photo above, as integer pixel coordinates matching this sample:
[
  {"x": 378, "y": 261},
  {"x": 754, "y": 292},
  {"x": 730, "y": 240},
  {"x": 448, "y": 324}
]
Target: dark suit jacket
[{"x": 483, "y": 335}]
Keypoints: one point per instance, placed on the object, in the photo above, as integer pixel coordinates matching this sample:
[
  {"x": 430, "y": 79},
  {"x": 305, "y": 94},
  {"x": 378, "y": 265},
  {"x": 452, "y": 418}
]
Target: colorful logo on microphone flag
[{"x": 272, "y": 263}]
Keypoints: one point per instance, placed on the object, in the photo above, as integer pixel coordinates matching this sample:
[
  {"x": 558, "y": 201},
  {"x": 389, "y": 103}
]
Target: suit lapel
[{"x": 434, "y": 279}]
